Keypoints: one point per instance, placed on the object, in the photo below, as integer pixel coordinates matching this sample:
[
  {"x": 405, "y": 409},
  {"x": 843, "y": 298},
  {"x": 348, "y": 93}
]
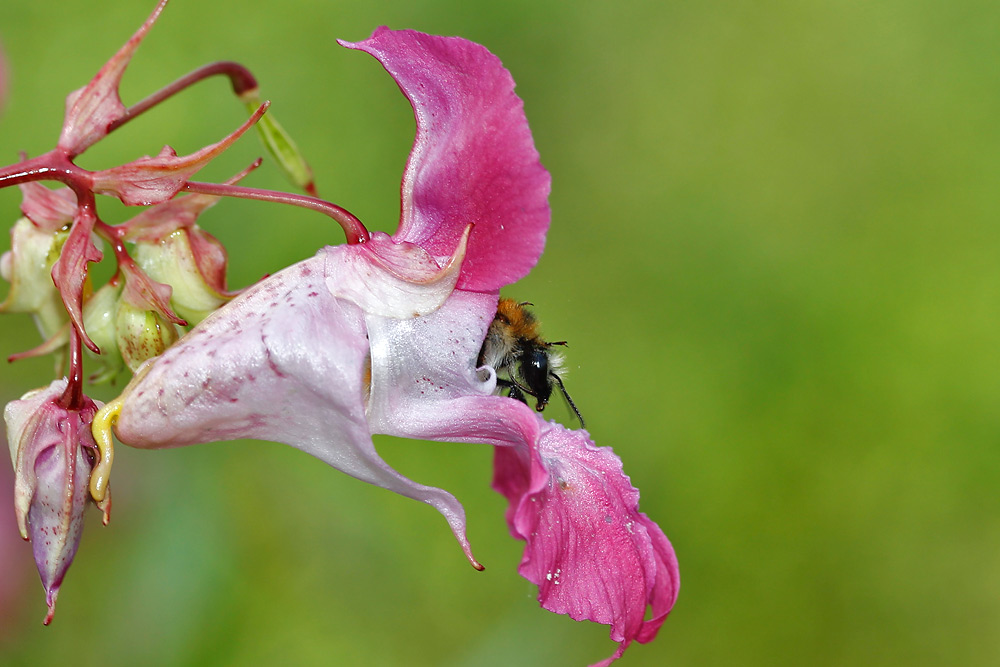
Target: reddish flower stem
[
  {"x": 352, "y": 226},
  {"x": 239, "y": 76},
  {"x": 72, "y": 397},
  {"x": 52, "y": 166}
]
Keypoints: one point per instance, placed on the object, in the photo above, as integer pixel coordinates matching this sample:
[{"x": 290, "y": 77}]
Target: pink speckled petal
[
  {"x": 285, "y": 361},
  {"x": 593, "y": 555},
  {"x": 55, "y": 519},
  {"x": 473, "y": 159}
]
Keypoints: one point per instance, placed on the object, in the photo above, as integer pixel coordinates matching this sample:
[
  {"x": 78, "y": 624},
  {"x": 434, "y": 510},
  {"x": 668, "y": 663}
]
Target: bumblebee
[{"x": 525, "y": 363}]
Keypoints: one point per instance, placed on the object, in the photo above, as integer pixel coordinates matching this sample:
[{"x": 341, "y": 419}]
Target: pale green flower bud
[
  {"x": 100, "y": 315},
  {"x": 280, "y": 145},
  {"x": 142, "y": 334},
  {"x": 173, "y": 261}
]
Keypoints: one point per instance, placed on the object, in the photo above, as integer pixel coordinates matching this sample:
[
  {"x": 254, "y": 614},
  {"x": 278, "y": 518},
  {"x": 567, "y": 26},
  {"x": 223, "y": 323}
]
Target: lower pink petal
[{"x": 593, "y": 555}]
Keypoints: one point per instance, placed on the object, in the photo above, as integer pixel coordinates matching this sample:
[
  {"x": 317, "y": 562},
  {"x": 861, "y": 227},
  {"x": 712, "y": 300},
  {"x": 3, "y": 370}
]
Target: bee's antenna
[{"x": 569, "y": 400}]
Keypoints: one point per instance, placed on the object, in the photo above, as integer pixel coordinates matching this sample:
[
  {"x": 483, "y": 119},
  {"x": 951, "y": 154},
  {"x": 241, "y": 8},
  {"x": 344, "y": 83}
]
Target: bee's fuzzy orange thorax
[{"x": 522, "y": 324}]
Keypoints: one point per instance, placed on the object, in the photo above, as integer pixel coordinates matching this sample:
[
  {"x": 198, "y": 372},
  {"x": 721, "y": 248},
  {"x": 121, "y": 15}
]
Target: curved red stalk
[
  {"x": 353, "y": 228},
  {"x": 242, "y": 80}
]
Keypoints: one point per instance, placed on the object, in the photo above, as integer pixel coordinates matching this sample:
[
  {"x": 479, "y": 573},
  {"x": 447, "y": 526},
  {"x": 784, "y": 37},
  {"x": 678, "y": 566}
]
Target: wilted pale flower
[
  {"x": 384, "y": 336},
  {"x": 53, "y": 450},
  {"x": 36, "y": 241}
]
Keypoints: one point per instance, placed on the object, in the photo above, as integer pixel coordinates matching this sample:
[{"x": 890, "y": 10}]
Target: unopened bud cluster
[
  {"x": 168, "y": 276},
  {"x": 172, "y": 277}
]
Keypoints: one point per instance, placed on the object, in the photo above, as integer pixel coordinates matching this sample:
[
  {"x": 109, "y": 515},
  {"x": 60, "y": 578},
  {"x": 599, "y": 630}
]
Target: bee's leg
[
  {"x": 517, "y": 395},
  {"x": 513, "y": 390}
]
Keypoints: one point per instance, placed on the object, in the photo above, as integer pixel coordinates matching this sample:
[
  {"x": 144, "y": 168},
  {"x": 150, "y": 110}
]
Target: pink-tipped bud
[
  {"x": 142, "y": 334},
  {"x": 51, "y": 448}
]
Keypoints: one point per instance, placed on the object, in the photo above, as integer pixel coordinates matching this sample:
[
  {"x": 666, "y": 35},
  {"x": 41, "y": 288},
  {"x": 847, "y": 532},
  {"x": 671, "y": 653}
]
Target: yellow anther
[{"x": 104, "y": 420}]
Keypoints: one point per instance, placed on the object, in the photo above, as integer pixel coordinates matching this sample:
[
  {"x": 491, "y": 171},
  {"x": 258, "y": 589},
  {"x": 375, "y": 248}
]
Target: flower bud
[
  {"x": 52, "y": 449},
  {"x": 99, "y": 319},
  {"x": 280, "y": 145},
  {"x": 182, "y": 259},
  {"x": 142, "y": 334},
  {"x": 28, "y": 269}
]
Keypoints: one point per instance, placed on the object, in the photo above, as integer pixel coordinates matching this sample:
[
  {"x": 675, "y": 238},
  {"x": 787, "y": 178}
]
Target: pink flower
[
  {"x": 53, "y": 450},
  {"x": 384, "y": 337}
]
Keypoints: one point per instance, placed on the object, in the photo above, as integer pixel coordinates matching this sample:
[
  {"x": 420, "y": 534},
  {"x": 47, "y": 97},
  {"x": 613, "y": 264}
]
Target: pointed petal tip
[
  {"x": 50, "y": 600},
  {"x": 467, "y": 550},
  {"x": 105, "y": 507},
  {"x": 156, "y": 179},
  {"x": 357, "y": 45},
  {"x": 92, "y": 110}
]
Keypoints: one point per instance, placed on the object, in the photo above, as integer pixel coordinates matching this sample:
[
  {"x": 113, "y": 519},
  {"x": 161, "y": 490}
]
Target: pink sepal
[
  {"x": 50, "y": 210},
  {"x": 91, "y": 110},
  {"x": 48, "y": 446},
  {"x": 151, "y": 180},
  {"x": 69, "y": 273}
]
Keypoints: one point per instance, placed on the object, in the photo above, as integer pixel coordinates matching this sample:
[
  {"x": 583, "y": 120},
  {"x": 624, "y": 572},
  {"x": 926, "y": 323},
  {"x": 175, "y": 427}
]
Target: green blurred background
[{"x": 774, "y": 253}]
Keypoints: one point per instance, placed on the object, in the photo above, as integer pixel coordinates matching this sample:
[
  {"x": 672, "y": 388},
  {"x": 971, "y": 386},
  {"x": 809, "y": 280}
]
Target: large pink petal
[
  {"x": 473, "y": 159},
  {"x": 593, "y": 555},
  {"x": 285, "y": 361}
]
